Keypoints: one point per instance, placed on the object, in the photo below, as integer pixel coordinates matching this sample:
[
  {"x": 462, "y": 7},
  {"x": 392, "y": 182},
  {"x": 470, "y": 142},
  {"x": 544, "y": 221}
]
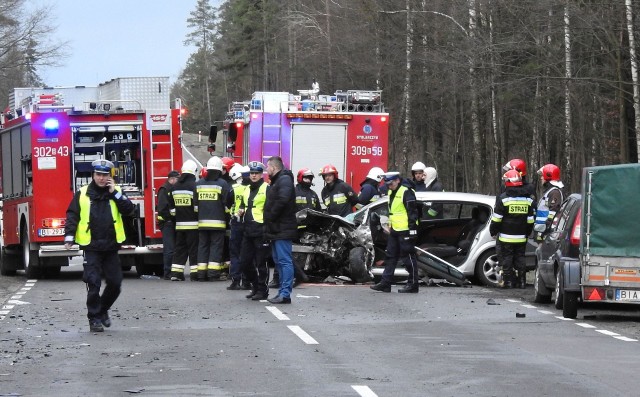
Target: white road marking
[
  {"x": 29, "y": 284},
  {"x": 624, "y": 338},
  {"x": 7, "y": 307},
  {"x": 529, "y": 306},
  {"x": 364, "y": 391},
  {"x": 279, "y": 315},
  {"x": 306, "y": 338},
  {"x": 26, "y": 289},
  {"x": 563, "y": 319},
  {"x": 4, "y": 311},
  {"x": 15, "y": 299},
  {"x": 513, "y": 300},
  {"x": 307, "y": 296},
  {"x": 21, "y": 292},
  {"x": 32, "y": 281},
  {"x": 585, "y": 325},
  {"x": 605, "y": 332},
  {"x": 17, "y": 302},
  {"x": 545, "y": 312}
]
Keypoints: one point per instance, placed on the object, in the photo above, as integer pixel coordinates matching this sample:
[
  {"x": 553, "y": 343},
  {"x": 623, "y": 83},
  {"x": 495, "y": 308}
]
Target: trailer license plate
[
  {"x": 627, "y": 295},
  {"x": 51, "y": 232}
]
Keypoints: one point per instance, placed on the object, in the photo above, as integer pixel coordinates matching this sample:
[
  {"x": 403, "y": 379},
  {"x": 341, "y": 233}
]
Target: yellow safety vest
[
  {"x": 398, "y": 216},
  {"x": 238, "y": 193},
  {"x": 83, "y": 234},
  {"x": 258, "y": 202}
]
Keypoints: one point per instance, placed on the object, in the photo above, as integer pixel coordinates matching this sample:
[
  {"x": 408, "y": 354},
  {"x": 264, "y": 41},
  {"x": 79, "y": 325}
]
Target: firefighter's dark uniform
[
  {"x": 306, "y": 198},
  {"x": 254, "y": 248},
  {"x": 403, "y": 222},
  {"x": 166, "y": 224},
  {"x": 182, "y": 207},
  {"x": 339, "y": 198},
  {"x": 94, "y": 221},
  {"x": 210, "y": 204},
  {"x": 237, "y": 231},
  {"x": 511, "y": 223},
  {"x": 369, "y": 192}
]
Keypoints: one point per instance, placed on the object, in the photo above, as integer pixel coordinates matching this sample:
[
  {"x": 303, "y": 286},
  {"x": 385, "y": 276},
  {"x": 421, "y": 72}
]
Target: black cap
[{"x": 173, "y": 174}]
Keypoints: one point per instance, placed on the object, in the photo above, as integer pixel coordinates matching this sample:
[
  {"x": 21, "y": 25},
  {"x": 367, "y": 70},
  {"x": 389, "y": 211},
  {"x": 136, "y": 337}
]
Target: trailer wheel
[
  {"x": 570, "y": 307},
  {"x": 30, "y": 259},
  {"x": 559, "y": 300},
  {"x": 7, "y": 263},
  {"x": 542, "y": 293}
]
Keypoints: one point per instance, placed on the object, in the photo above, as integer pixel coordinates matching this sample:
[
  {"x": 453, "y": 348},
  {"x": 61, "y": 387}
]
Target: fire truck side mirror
[{"x": 213, "y": 133}]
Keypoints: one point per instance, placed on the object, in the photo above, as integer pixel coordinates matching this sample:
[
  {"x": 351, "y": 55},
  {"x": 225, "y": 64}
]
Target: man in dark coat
[
  {"x": 281, "y": 227},
  {"x": 167, "y": 223}
]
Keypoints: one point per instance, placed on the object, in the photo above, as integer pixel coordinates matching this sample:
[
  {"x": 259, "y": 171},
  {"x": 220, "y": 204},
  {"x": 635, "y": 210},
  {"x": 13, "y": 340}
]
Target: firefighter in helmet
[
  {"x": 337, "y": 195},
  {"x": 166, "y": 222},
  {"x": 227, "y": 163},
  {"x": 94, "y": 222},
  {"x": 240, "y": 184},
  {"x": 551, "y": 199},
  {"x": 182, "y": 208},
  {"x": 511, "y": 223},
  {"x": 418, "y": 172},
  {"x": 370, "y": 187},
  {"x": 521, "y": 166},
  {"x": 254, "y": 247},
  {"x": 210, "y": 204}
]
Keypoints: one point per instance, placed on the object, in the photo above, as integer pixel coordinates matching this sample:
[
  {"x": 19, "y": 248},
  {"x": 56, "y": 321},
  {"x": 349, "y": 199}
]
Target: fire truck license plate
[
  {"x": 51, "y": 232},
  {"x": 627, "y": 295}
]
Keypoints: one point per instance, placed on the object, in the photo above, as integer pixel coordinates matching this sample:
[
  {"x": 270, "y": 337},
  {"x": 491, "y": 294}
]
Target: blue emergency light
[{"x": 51, "y": 125}]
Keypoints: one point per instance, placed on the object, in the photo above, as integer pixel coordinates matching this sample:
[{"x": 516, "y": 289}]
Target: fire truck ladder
[
  {"x": 154, "y": 161},
  {"x": 271, "y": 135}
]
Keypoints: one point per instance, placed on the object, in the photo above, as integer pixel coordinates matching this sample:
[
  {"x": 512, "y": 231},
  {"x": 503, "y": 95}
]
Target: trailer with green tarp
[{"x": 608, "y": 269}]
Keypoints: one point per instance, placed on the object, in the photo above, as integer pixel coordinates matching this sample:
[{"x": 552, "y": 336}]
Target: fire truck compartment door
[{"x": 316, "y": 145}]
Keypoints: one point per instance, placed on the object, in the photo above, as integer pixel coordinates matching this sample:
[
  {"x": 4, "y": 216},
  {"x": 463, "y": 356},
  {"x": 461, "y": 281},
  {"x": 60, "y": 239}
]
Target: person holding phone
[{"x": 94, "y": 222}]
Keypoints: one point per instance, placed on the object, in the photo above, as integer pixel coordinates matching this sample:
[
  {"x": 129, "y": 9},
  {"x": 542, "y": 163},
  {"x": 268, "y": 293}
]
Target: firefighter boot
[
  {"x": 382, "y": 287},
  {"x": 235, "y": 285},
  {"x": 522, "y": 279},
  {"x": 509, "y": 278},
  {"x": 409, "y": 288}
]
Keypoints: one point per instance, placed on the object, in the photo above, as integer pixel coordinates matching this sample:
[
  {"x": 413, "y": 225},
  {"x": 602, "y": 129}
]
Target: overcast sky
[{"x": 119, "y": 38}]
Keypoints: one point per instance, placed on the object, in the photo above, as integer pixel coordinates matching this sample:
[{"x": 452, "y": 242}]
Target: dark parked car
[{"x": 561, "y": 243}]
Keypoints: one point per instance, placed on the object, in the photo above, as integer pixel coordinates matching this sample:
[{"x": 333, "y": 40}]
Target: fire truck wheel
[
  {"x": 7, "y": 263},
  {"x": 30, "y": 259}
]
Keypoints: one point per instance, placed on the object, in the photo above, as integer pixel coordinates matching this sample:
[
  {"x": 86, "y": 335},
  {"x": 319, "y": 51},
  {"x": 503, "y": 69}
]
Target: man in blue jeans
[{"x": 281, "y": 227}]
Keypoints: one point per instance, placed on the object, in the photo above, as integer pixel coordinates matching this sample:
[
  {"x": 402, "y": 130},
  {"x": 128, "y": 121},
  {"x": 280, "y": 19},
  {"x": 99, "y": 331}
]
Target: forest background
[{"x": 469, "y": 84}]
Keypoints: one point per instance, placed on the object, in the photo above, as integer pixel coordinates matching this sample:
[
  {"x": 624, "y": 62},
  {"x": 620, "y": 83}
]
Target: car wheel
[
  {"x": 7, "y": 263},
  {"x": 558, "y": 302},
  {"x": 570, "y": 307},
  {"x": 358, "y": 265},
  {"x": 485, "y": 268},
  {"x": 30, "y": 259},
  {"x": 542, "y": 293}
]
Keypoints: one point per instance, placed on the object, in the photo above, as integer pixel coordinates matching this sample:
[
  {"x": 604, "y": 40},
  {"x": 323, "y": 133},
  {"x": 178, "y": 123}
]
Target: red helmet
[
  {"x": 305, "y": 172},
  {"x": 550, "y": 172},
  {"x": 203, "y": 172},
  {"x": 227, "y": 163},
  {"x": 512, "y": 178},
  {"x": 329, "y": 169},
  {"x": 516, "y": 164}
]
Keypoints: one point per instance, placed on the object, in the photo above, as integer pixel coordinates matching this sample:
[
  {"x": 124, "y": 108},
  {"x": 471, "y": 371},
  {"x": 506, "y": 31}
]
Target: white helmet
[
  {"x": 214, "y": 163},
  {"x": 430, "y": 175},
  {"x": 376, "y": 174},
  {"x": 235, "y": 173},
  {"x": 418, "y": 166},
  {"x": 189, "y": 167}
]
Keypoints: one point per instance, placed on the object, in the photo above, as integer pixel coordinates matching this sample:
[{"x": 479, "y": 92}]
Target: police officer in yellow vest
[
  {"x": 94, "y": 221},
  {"x": 253, "y": 258},
  {"x": 403, "y": 221}
]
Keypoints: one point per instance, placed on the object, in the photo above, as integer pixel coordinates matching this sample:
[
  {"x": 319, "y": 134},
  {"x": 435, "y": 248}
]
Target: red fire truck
[
  {"x": 348, "y": 129},
  {"x": 46, "y": 152}
]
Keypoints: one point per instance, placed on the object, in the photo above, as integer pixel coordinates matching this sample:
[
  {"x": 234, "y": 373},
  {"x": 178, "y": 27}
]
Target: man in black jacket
[
  {"x": 166, "y": 222},
  {"x": 337, "y": 195},
  {"x": 281, "y": 227},
  {"x": 94, "y": 221}
]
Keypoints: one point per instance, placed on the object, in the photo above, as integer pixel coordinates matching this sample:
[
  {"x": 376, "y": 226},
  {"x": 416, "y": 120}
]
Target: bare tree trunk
[
  {"x": 622, "y": 109},
  {"x": 567, "y": 92},
  {"x": 475, "y": 123},
  {"x": 265, "y": 52},
  {"x": 329, "y": 45},
  {"x": 634, "y": 72},
  {"x": 407, "y": 89},
  {"x": 494, "y": 114}
]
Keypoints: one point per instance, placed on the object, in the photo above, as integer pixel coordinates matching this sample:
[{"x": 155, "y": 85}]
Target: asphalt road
[{"x": 197, "y": 339}]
